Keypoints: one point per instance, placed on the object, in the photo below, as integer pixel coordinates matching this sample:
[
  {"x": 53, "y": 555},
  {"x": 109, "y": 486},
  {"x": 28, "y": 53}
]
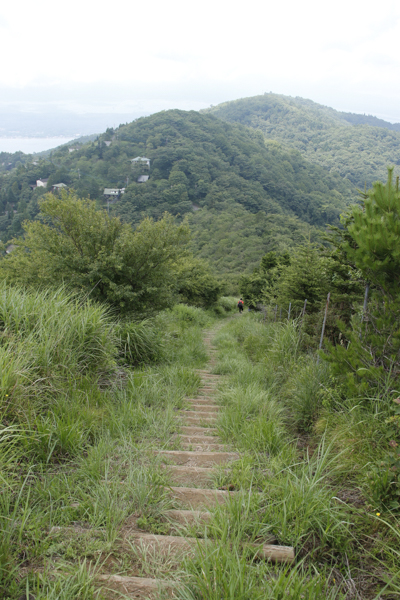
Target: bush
[
  {"x": 228, "y": 303},
  {"x": 253, "y": 419},
  {"x": 50, "y": 341},
  {"x": 305, "y": 392},
  {"x": 190, "y": 315},
  {"x": 140, "y": 342},
  {"x": 74, "y": 242}
]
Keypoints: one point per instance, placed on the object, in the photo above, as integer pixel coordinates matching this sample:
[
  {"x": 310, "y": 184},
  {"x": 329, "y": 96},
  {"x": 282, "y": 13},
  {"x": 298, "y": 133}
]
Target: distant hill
[
  {"x": 358, "y": 147},
  {"x": 244, "y": 195}
]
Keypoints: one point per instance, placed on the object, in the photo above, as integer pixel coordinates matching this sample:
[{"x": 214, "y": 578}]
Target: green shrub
[
  {"x": 140, "y": 342},
  {"x": 58, "y": 331},
  {"x": 52, "y": 346},
  {"x": 228, "y": 303},
  {"x": 190, "y": 315},
  {"x": 304, "y": 393},
  {"x": 253, "y": 419}
]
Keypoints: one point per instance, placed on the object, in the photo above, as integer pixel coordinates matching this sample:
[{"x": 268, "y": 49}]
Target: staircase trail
[{"x": 191, "y": 472}]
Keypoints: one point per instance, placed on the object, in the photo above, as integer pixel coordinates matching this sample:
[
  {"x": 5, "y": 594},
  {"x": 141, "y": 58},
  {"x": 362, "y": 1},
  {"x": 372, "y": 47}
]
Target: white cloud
[{"x": 349, "y": 46}]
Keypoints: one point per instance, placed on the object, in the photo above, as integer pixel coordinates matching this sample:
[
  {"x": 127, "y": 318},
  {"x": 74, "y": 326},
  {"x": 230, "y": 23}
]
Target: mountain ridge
[{"x": 357, "y": 147}]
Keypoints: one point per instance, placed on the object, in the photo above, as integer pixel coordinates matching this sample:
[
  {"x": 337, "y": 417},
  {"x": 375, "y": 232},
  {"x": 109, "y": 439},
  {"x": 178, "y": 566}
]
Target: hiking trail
[{"x": 191, "y": 471}]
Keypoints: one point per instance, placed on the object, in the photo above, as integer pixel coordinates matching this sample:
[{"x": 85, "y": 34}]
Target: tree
[
  {"x": 375, "y": 231},
  {"x": 197, "y": 284},
  {"x": 260, "y": 286},
  {"x": 75, "y": 244},
  {"x": 371, "y": 242},
  {"x": 307, "y": 277}
]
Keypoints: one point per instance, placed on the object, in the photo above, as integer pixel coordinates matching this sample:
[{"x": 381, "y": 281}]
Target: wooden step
[
  {"x": 277, "y": 554},
  {"x": 199, "y": 439},
  {"x": 203, "y": 400},
  {"x": 191, "y": 476},
  {"x": 203, "y": 459},
  {"x": 178, "y": 546},
  {"x": 199, "y": 421},
  {"x": 198, "y": 430},
  {"x": 167, "y": 545},
  {"x": 164, "y": 545},
  {"x": 209, "y": 377},
  {"x": 197, "y": 497},
  {"x": 203, "y": 447},
  {"x": 138, "y": 588},
  {"x": 193, "y": 414},
  {"x": 188, "y": 517},
  {"x": 210, "y": 408}
]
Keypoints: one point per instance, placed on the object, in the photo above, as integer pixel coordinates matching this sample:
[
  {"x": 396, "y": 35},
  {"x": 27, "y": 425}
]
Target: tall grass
[
  {"x": 83, "y": 401},
  {"x": 304, "y": 459},
  {"x": 252, "y": 419},
  {"x": 141, "y": 342}
]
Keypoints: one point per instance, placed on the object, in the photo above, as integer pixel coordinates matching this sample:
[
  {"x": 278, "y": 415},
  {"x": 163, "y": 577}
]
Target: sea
[{"x": 30, "y": 145}]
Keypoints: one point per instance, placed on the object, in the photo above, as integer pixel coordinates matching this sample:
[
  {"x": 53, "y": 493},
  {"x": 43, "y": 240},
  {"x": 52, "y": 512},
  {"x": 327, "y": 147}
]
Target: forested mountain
[
  {"x": 249, "y": 194},
  {"x": 358, "y": 147}
]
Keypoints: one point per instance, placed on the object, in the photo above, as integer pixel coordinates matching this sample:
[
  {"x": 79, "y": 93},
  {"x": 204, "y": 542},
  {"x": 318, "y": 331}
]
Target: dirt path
[{"x": 191, "y": 473}]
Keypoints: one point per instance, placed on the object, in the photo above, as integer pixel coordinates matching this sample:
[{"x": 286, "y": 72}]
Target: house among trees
[
  {"x": 41, "y": 182},
  {"x": 141, "y": 161},
  {"x": 142, "y": 178},
  {"x": 58, "y": 186},
  {"x": 111, "y": 193},
  {"x": 107, "y": 143}
]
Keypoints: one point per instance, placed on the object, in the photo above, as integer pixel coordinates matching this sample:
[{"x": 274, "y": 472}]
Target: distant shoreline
[{"x": 31, "y": 145}]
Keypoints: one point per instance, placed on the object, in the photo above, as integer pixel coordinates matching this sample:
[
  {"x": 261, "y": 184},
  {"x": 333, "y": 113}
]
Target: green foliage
[
  {"x": 47, "y": 337},
  {"x": 211, "y": 163},
  {"x": 97, "y": 254},
  {"x": 371, "y": 243},
  {"x": 189, "y": 315},
  {"x": 197, "y": 283},
  {"x": 244, "y": 197},
  {"x": 140, "y": 342},
  {"x": 75, "y": 424},
  {"x": 233, "y": 239},
  {"x": 259, "y": 287},
  {"x": 253, "y": 420},
  {"x": 307, "y": 277},
  {"x": 357, "y": 147},
  {"x": 227, "y": 303},
  {"x": 375, "y": 232}
]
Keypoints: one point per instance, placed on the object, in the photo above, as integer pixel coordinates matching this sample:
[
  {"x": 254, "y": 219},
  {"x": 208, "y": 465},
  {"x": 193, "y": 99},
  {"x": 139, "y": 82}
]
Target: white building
[
  {"x": 141, "y": 160},
  {"x": 113, "y": 192},
  {"x": 41, "y": 182}
]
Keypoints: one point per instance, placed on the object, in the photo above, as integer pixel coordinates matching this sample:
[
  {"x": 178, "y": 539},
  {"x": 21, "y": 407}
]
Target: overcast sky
[{"x": 142, "y": 57}]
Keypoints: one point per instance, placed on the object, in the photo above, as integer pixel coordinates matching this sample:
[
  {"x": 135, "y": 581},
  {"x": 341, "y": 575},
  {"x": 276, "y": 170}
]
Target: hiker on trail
[{"x": 240, "y": 305}]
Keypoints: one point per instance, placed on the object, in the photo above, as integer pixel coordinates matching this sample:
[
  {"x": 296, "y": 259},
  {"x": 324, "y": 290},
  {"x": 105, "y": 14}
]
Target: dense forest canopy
[
  {"x": 358, "y": 147},
  {"x": 201, "y": 166}
]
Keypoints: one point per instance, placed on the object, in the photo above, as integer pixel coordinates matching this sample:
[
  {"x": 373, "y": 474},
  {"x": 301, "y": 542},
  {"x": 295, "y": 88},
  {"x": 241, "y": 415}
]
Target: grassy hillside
[
  {"x": 200, "y": 166},
  {"x": 358, "y": 147}
]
